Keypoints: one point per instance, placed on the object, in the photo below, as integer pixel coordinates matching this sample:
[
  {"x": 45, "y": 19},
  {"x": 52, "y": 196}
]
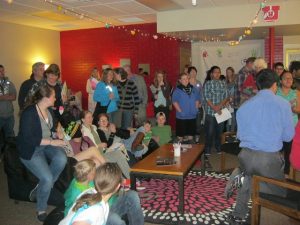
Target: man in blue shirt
[{"x": 264, "y": 122}]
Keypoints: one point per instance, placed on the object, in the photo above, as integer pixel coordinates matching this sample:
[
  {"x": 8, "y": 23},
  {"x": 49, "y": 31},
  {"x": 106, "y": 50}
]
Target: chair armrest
[{"x": 285, "y": 184}]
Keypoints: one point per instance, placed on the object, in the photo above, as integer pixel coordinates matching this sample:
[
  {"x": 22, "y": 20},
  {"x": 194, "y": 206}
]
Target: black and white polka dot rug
[{"x": 204, "y": 201}]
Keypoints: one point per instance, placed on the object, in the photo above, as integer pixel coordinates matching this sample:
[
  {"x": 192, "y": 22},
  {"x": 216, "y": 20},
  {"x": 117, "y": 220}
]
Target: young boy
[
  {"x": 135, "y": 144},
  {"x": 83, "y": 179},
  {"x": 162, "y": 132}
]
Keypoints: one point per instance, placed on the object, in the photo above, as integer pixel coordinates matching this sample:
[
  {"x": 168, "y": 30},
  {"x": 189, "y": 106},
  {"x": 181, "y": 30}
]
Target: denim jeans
[
  {"x": 129, "y": 204},
  {"x": 46, "y": 173},
  {"x": 213, "y": 132},
  {"x": 7, "y": 126},
  {"x": 123, "y": 118}
]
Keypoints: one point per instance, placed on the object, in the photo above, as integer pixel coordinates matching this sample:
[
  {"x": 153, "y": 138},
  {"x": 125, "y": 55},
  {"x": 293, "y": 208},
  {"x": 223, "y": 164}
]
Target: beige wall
[
  {"x": 21, "y": 46},
  {"x": 224, "y": 17},
  {"x": 290, "y": 43}
]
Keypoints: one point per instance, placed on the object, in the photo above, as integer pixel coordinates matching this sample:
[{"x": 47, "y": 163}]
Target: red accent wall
[
  {"x": 81, "y": 50},
  {"x": 278, "y": 50}
]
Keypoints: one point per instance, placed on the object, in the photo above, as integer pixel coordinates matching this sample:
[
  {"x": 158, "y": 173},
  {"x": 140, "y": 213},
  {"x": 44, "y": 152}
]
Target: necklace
[{"x": 46, "y": 121}]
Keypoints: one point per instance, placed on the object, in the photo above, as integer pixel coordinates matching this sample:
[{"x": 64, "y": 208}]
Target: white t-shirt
[{"x": 94, "y": 215}]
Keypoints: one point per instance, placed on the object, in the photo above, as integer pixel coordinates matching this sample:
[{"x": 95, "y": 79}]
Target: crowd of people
[{"x": 114, "y": 133}]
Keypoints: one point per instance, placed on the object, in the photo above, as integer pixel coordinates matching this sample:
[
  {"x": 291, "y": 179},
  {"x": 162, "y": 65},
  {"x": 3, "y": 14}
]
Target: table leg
[
  {"x": 181, "y": 195},
  {"x": 132, "y": 181},
  {"x": 203, "y": 164}
]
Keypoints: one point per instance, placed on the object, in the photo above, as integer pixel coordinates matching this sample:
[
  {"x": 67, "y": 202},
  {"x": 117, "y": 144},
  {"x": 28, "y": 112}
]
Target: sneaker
[
  {"x": 235, "y": 220},
  {"x": 126, "y": 185},
  {"x": 139, "y": 186},
  {"x": 41, "y": 216},
  {"x": 235, "y": 182},
  {"x": 32, "y": 194}
]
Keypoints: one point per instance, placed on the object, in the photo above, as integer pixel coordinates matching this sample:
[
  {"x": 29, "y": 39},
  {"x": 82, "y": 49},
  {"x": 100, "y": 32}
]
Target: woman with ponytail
[
  {"x": 91, "y": 207},
  {"x": 39, "y": 147}
]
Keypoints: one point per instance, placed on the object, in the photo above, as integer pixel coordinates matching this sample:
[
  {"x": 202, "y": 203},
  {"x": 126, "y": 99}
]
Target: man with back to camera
[
  {"x": 38, "y": 69},
  {"x": 264, "y": 122}
]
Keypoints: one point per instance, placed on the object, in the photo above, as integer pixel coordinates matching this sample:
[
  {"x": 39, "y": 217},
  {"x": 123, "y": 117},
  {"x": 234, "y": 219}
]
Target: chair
[
  {"x": 289, "y": 205},
  {"x": 230, "y": 145}
]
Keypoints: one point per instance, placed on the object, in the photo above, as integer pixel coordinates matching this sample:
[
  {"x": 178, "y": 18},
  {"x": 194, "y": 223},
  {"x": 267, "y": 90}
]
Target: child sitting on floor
[
  {"x": 162, "y": 132},
  {"x": 135, "y": 144},
  {"x": 83, "y": 179},
  {"x": 91, "y": 208}
]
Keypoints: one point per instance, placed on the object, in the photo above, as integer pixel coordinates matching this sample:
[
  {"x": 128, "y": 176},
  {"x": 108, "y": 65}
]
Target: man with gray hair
[
  {"x": 38, "y": 69},
  {"x": 142, "y": 92}
]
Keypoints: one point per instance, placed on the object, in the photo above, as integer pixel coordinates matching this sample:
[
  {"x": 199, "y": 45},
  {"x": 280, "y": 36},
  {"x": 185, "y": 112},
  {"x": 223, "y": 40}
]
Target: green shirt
[
  {"x": 164, "y": 133},
  {"x": 73, "y": 191},
  {"x": 291, "y": 97}
]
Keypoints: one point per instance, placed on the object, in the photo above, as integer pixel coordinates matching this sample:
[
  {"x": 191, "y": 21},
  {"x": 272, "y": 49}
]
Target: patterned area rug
[{"x": 204, "y": 200}]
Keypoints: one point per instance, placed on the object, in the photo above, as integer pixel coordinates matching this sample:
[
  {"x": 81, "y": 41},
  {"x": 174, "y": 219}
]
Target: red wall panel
[{"x": 81, "y": 50}]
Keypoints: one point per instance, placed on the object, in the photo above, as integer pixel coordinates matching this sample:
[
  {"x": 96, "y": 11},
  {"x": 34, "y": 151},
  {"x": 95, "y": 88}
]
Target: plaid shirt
[{"x": 215, "y": 91}]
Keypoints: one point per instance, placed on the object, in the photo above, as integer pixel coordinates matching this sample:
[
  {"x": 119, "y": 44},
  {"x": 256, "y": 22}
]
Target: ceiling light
[{"x": 194, "y": 2}]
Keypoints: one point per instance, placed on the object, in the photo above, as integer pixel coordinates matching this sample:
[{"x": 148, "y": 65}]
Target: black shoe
[
  {"x": 235, "y": 220},
  {"x": 235, "y": 182},
  {"x": 32, "y": 195},
  {"x": 41, "y": 216}
]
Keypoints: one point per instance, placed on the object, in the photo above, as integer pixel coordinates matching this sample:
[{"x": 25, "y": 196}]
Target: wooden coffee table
[{"x": 147, "y": 167}]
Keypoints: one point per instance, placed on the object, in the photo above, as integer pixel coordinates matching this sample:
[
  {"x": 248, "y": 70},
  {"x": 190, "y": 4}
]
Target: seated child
[
  {"x": 91, "y": 207},
  {"x": 126, "y": 202},
  {"x": 134, "y": 143},
  {"x": 84, "y": 173},
  {"x": 162, "y": 132}
]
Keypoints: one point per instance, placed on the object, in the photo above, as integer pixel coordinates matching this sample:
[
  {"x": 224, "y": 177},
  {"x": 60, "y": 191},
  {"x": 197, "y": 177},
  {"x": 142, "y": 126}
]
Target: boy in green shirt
[{"x": 162, "y": 132}]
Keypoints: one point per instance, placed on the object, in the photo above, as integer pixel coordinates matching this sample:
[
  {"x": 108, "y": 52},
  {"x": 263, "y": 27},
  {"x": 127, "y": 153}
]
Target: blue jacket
[
  {"x": 101, "y": 95},
  {"x": 186, "y": 102},
  {"x": 30, "y": 132}
]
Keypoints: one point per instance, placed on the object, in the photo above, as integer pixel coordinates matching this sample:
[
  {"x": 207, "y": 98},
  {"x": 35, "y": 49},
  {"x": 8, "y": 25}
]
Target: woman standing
[
  {"x": 215, "y": 99},
  {"x": 186, "y": 100},
  {"x": 91, "y": 84},
  {"x": 231, "y": 88},
  {"x": 106, "y": 95},
  {"x": 51, "y": 78},
  {"x": 293, "y": 97},
  {"x": 161, "y": 90},
  {"x": 39, "y": 151}
]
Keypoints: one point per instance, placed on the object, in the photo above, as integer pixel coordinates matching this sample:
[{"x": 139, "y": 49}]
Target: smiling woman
[{"x": 37, "y": 146}]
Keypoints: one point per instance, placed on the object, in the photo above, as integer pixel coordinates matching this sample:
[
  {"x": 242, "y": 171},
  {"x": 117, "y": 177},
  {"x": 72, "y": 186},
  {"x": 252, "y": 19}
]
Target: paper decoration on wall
[
  {"x": 145, "y": 67},
  {"x": 106, "y": 66},
  {"x": 219, "y": 52},
  {"x": 124, "y": 62},
  {"x": 204, "y": 54},
  {"x": 254, "y": 52},
  {"x": 271, "y": 13}
]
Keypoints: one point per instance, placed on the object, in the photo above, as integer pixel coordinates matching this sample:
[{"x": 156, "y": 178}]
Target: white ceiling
[{"x": 81, "y": 14}]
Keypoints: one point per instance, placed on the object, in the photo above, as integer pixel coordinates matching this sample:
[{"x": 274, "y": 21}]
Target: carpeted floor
[
  {"x": 204, "y": 200},
  {"x": 23, "y": 213}
]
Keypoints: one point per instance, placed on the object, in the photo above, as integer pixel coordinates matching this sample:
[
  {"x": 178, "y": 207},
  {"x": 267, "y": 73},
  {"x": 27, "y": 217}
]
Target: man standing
[
  {"x": 264, "y": 123},
  {"x": 294, "y": 68},
  {"x": 7, "y": 96},
  {"x": 38, "y": 69},
  {"x": 142, "y": 92},
  {"x": 241, "y": 77}
]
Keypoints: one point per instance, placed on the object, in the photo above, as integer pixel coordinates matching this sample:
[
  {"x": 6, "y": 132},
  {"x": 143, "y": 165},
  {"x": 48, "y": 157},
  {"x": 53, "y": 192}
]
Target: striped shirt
[{"x": 128, "y": 93}]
